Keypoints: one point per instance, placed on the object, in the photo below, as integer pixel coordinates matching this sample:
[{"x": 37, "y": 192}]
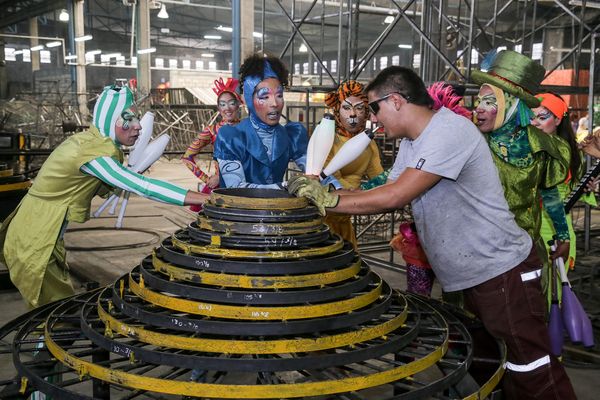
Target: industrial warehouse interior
[{"x": 154, "y": 246}]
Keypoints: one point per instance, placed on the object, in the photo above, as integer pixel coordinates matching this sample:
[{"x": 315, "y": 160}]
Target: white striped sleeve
[{"x": 110, "y": 171}]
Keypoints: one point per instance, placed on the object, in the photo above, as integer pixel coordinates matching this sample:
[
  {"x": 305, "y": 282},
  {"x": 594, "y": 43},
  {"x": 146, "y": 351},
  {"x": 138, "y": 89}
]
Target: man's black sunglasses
[{"x": 374, "y": 105}]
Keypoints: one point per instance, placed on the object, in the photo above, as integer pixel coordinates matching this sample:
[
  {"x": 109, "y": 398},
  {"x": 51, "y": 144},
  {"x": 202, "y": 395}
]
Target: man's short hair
[{"x": 404, "y": 81}]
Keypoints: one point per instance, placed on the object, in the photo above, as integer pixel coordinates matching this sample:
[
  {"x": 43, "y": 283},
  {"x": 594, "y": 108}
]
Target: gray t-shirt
[{"x": 463, "y": 222}]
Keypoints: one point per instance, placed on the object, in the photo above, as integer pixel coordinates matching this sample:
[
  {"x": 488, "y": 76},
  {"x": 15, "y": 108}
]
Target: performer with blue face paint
[{"x": 255, "y": 153}]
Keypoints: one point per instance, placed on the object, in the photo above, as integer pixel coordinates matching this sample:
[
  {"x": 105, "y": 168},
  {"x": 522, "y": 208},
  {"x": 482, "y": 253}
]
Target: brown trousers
[{"x": 513, "y": 309}]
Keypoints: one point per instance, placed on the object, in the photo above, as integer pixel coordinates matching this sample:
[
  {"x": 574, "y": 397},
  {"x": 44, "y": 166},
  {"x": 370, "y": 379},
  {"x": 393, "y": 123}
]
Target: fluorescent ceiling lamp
[
  {"x": 303, "y": 48},
  {"x": 163, "y": 12},
  {"x": 405, "y": 46},
  {"x": 146, "y": 51},
  {"x": 53, "y": 44},
  {"x": 215, "y": 37},
  {"x": 71, "y": 57},
  {"x": 224, "y": 28},
  {"x": 17, "y": 52},
  {"x": 257, "y": 34},
  {"x": 83, "y": 38},
  {"x": 588, "y": 4},
  {"x": 207, "y": 55},
  {"x": 37, "y": 48},
  {"x": 63, "y": 16},
  {"x": 389, "y": 19},
  {"x": 93, "y": 52},
  {"x": 165, "y": 30}
]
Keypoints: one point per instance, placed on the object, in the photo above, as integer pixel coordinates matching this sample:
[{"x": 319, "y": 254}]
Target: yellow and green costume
[
  {"x": 367, "y": 164},
  {"x": 548, "y": 231},
  {"x": 60, "y": 193},
  {"x": 547, "y": 168}
]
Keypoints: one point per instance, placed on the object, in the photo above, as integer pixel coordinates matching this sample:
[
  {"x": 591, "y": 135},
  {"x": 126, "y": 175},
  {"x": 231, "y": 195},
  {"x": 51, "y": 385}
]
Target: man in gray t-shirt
[
  {"x": 463, "y": 221},
  {"x": 445, "y": 170}
]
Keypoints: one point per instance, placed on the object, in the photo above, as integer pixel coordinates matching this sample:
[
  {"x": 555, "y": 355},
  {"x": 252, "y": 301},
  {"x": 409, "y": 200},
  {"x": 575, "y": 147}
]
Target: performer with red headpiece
[{"x": 228, "y": 105}]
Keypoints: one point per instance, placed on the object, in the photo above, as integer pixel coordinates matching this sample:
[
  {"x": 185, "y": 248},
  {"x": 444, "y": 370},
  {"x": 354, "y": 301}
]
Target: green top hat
[{"x": 514, "y": 73}]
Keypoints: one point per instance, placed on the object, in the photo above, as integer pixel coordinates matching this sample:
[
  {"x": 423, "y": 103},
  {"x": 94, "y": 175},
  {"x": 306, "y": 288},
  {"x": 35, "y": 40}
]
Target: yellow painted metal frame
[
  {"x": 270, "y": 391},
  {"x": 214, "y": 250},
  {"x": 254, "y": 281},
  {"x": 228, "y": 227},
  {"x": 8, "y": 187},
  {"x": 486, "y": 389},
  {"x": 257, "y": 203},
  {"x": 227, "y": 346},
  {"x": 254, "y": 312}
]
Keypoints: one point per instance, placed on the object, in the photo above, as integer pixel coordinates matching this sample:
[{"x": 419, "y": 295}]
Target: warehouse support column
[
  {"x": 80, "y": 51},
  {"x": 144, "y": 82},
  {"x": 247, "y": 23},
  {"x": 35, "y": 55},
  {"x": 3, "y": 74},
  {"x": 235, "y": 37}
]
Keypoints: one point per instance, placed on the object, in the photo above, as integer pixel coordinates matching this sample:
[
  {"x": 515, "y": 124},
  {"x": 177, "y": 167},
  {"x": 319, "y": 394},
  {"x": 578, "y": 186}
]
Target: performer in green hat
[
  {"x": 86, "y": 164},
  {"x": 531, "y": 164}
]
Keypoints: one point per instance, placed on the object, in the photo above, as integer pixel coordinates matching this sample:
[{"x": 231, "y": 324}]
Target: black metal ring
[
  {"x": 264, "y": 242},
  {"x": 162, "y": 317},
  {"x": 263, "y": 267},
  {"x": 258, "y": 229},
  {"x": 395, "y": 341},
  {"x": 245, "y": 215},
  {"x": 191, "y": 290},
  {"x": 251, "y": 198}
]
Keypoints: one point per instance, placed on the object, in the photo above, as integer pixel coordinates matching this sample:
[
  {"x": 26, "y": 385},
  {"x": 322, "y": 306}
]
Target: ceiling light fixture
[
  {"x": 53, "y": 44},
  {"x": 389, "y": 19},
  {"x": 83, "y": 38},
  {"x": 405, "y": 46},
  {"x": 163, "y": 12},
  {"x": 37, "y": 48},
  {"x": 303, "y": 48},
  {"x": 112, "y": 55},
  {"x": 165, "y": 30},
  {"x": 588, "y": 4},
  {"x": 63, "y": 16},
  {"x": 17, "y": 52},
  {"x": 71, "y": 57},
  {"x": 207, "y": 55},
  {"x": 93, "y": 52},
  {"x": 224, "y": 28},
  {"x": 147, "y": 51},
  {"x": 215, "y": 37},
  {"x": 257, "y": 34}
]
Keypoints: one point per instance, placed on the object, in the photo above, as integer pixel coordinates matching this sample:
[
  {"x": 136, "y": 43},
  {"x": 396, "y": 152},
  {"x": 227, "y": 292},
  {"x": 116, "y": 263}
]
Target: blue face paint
[{"x": 250, "y": 83}]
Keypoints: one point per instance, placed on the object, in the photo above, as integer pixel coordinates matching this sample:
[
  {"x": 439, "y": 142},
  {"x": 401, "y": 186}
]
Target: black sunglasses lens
[{"x": 374, "y": 106}]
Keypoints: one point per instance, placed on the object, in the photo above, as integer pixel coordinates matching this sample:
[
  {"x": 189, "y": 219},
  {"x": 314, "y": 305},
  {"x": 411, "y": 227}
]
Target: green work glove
[{"x": 303, "y": 186}]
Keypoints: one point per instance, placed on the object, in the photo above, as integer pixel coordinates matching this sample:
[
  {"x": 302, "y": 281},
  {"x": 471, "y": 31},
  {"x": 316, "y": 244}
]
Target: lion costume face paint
[{"x": 350, "y": 108}]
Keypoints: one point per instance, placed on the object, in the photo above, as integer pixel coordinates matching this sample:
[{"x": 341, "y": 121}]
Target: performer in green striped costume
[{"x": 84, "y": 165}]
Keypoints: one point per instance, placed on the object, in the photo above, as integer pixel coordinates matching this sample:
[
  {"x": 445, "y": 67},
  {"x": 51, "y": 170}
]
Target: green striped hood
[{"x": 112, "y": 102}]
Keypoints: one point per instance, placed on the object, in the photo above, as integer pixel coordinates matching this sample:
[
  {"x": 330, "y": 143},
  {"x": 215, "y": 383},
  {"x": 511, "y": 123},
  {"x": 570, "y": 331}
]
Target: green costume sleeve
[
  {"x": 378, "y": 180},
  {"x": 555, "y": 209}
]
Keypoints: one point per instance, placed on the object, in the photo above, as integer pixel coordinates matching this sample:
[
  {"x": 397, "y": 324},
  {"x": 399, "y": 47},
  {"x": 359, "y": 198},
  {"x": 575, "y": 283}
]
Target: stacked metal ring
[{"x": 244, "y": 304}]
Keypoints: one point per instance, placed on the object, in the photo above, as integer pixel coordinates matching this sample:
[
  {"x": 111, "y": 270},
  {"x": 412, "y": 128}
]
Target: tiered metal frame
[{"x": 208, "y": 318}]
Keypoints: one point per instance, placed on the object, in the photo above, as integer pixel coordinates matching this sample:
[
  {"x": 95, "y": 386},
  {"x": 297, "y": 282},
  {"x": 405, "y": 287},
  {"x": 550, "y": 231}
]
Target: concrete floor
[{"x": 152, "y": 221}]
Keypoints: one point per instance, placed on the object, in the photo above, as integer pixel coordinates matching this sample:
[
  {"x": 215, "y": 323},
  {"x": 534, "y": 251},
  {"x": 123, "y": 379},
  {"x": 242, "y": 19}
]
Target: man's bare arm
[{"x": 409, "y": 185}]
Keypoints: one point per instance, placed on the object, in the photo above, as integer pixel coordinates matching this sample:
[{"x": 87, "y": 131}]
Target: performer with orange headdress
[
  {"x": 228, "y": 105},
  {"x": 351, "y": 111}
]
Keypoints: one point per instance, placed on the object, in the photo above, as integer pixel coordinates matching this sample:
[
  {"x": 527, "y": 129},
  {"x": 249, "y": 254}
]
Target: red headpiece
[{"x": 230, "y": 86}]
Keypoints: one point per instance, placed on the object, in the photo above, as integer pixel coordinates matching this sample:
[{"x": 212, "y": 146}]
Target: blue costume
[
  {"x": 255, "y": 154},
  {"x": 242, "y": 143}
]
